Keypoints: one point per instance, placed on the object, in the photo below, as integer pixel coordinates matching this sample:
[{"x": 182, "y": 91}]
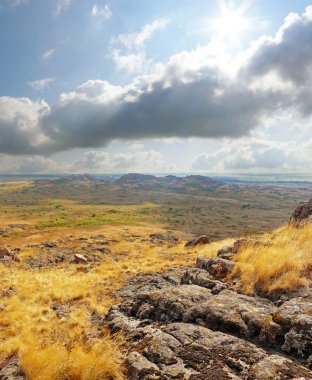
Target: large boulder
[{"x": 302, "y": 212}]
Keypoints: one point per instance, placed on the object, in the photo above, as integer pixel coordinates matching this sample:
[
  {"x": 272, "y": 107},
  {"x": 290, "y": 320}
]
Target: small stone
[
  {"x": 80, "y": 259},
  {"x": 200, "y": 240}
]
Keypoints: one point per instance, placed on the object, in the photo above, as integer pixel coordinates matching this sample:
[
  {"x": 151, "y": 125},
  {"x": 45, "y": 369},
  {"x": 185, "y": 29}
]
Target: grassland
[{"x": 51, "y": 315}]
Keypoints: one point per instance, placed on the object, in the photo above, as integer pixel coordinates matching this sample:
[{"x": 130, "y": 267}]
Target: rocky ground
[{"x": 191, "y": 324}]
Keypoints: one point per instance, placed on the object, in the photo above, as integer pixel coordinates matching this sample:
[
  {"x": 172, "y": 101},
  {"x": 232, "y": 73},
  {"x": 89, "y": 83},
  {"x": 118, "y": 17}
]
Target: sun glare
[{"x": 231, "y": 23}]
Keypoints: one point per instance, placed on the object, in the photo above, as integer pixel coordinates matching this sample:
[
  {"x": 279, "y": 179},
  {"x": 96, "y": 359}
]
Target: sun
[{"x": 231, "y": 23}]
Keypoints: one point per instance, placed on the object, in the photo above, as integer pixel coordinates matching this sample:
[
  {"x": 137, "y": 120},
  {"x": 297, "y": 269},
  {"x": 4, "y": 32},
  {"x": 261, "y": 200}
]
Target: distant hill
[
  {"x": 134, "y": 178},
  {"x": 169, "y": 181}
]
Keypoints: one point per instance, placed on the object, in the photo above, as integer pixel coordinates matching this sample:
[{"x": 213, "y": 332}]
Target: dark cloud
[
  {"x": 19, "y": 124},
  {"x": 203, "y": 108},
  {"x": 289, "y": 53},
  {"x": 193, "y": 95}
]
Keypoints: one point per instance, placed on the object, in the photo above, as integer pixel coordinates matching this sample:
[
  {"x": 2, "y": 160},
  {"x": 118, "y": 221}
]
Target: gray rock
[
  {"x": 200, "y": 240},
  {"x": 225, "y": 252},
  {"x": 295, "y": 318},
  {"x": 140, "y": 367},
  {"x": 202, "y": 278},
  {"x": 217, "y": 267},
  {"x": 302, "y": 212},
  {"x": 276, "y": 367},
  {"x": 11, "y": 370},
  {"x": 6, "y": 255},
  {"x": 179, "y": 325},
  {"x": 233, "y": 313}
]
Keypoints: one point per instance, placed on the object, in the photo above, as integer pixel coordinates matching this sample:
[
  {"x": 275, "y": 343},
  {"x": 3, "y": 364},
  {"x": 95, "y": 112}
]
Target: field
[{"x": 52, "y": 308}]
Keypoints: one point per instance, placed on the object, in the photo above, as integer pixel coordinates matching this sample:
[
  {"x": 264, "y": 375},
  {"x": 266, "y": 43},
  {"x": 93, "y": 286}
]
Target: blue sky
[{"x": 155, "y": 86}]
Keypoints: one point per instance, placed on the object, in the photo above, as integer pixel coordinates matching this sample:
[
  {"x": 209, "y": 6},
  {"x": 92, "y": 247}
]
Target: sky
[{"x": 166, "y": 86}]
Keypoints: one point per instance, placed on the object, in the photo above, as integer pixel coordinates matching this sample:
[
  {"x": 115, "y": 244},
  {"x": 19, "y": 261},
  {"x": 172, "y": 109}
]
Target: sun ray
[{"x": 231, "y": 23}]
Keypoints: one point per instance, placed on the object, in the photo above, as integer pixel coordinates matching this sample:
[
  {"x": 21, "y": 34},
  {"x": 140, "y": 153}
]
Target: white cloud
[
  {"x": 131, "y": 62},
  {"x": 47, "y": 55},
  {"x": 194, "y": 94},
  {"x": 20, "y": 125},
  {"x": 137, "y": 40},
  {"x": 103, "y": 162},
  {"x": 61, "y": 5},
  {"x": 31, "y": 165},
  {"x": 103, "y": 11},
  {"x": 40, "y": 85},
  {"x": 254, "y": 154}
]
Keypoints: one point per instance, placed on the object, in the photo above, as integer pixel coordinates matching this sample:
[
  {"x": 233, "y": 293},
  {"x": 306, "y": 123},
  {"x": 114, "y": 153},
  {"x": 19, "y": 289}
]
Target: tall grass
[{"x": 279, "y": 260}]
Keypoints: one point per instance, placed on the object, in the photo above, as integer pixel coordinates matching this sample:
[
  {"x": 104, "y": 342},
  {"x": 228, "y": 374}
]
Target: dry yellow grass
[
  {"x": 48, "y": 318},
  {"x": 65, "y": 343},
  {"x": 281, "y": 259}
]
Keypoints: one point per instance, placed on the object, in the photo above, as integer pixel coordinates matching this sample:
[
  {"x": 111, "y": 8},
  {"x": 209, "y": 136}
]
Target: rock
[
  {"x": 295, "y": 317},
  {"x": 169, "y": 304},
  {"x": 8, "y": 292},
  {"x": 277, "y": 367},
  {"x": 225, "y": 253},
  {"x": 80, "y": 259},
  {"x": 217, "y": 267},
  {"x": 202, "y": 278},
  {"x": 6, "y": 258},
  {"x": 200, "y": 240},
  {"x": 188, "y": 351},
  {"x": 186, "y": 324},
  {"x": 151, "y": 281},
  {"x": 11, "y": 370},
  {"x": 49, "y": 245},
  {"x": 6, "y": 255},
  {"x": 233, "y": 313},
  {"x": 140, "y": 367},
  {"x": 302, "y": 212}
]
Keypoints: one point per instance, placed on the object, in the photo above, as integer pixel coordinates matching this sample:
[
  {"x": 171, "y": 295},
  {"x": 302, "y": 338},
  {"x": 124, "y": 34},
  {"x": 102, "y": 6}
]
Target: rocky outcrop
[
  {"x": 189, "y": 324},
  {"x": 302, "y": 212}
]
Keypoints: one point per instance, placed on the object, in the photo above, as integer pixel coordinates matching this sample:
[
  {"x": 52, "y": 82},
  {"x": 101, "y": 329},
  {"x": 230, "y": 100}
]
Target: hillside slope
[{"x": 243, "y": 310}]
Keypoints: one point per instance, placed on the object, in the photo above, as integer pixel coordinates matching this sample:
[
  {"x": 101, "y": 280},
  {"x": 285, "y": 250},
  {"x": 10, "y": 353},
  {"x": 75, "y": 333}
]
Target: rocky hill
[
  {"x": 150, "y": 182},
  {"x": 192, "y": 324},
  {"x": 197, "y": 323},
  {"x": 126, "y": 302}
]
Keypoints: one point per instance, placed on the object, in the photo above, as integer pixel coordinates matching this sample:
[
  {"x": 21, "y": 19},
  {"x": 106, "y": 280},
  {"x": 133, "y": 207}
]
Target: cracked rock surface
[{"x": 189, "y": 324}]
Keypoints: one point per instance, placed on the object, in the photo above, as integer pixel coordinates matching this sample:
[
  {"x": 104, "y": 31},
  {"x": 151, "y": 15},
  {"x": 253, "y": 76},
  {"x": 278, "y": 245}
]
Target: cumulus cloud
[
  {"x": 130, "y": 53},
  {"x": 41, "y": 84},
  {"x": 287, "y": 58},
  {"x": 103, "y": 11},
  {"x": 31, "y": 165},
  {"x": 176, "y": 102},
  {"x": 103, "y": 162},
  {"x": 202, "y": 93},
  {"x": 19, "y": 122},
  {"x": 253, "y": 154},
  {"x": 134, "y": 62}
]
